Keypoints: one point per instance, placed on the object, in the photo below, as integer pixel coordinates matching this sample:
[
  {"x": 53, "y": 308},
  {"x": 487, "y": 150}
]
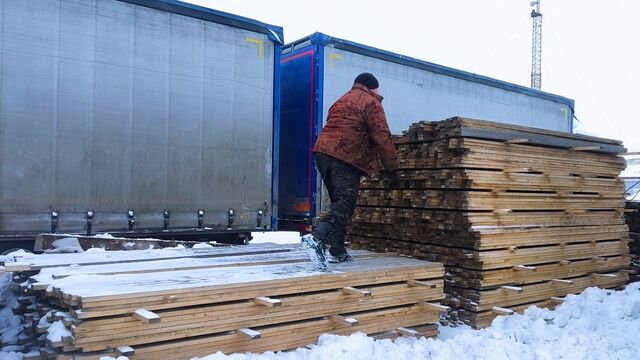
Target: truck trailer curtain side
[
  {"x": 159, "y": 109},
  {"x": 318, "y": 69}
]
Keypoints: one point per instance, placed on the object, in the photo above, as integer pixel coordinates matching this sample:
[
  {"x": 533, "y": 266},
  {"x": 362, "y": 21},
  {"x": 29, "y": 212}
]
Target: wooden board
[
  {"x": 494, "y": 238},
  {"x": 475, "y": 300},
  {"x": 33, "y": 262},
  {"x": 481, "y": 279},
  {"x": 496, "y": 259},
  {"x": 46, "y": 275},
  {"x": 280, "y": 337},
  {"x": 224, "y": 301},
  {"x": 99, "y": 334},
  {"x": 119, "y": 294}
]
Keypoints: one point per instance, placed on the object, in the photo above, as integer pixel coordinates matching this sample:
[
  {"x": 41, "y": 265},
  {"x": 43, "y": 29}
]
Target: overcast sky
[{"x": 590, "y": 48}]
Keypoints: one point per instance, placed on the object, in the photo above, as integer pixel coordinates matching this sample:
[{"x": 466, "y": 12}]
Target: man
[{"x": 355, "y": 136}]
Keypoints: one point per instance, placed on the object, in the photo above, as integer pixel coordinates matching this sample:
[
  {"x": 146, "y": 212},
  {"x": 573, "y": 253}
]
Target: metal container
[
  {"x": 136, "y": 116},
  {"x": 318, "y": 69}
]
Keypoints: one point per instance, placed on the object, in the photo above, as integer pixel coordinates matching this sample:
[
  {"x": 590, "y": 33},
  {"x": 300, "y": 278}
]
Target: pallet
[{"x": 230, "y": 299}]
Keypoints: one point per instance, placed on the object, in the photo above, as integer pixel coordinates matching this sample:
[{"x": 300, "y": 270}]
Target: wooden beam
[
  {"x": 17, "y": 267},
  {"x": 502, "y": 211},
  {"x": 350, "y": 290},
  {"x": 511, "y": 288},
  {"x": 125, "y": 351},
  {"x": 562, "y": 281},
  {"x": 437, "y": 307},
  {"x": 146, "y": 316},
  {"x": 249, "y": 333},
  {"x": 565, "y": 262},
  {"x": 427, "y": 284},
  {"x": 587, "y": 148},
  {"x": 605, "y": 276},
  {"x": 501, "y": 311},
  {"x": 517, "y": 170},
  {"x": 557, "y": 300},
  {"x": 343, "y": 320},
  {"x": 267, "y": 301},
  {"x": 599, "y": 258},
  {"x": 407, "y": 332},
  {"x": 518, "y": 141},
  {"x": 524, "y": 268}
]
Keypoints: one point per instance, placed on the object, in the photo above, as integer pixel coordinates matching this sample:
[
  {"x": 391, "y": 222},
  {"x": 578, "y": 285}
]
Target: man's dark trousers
[{"x": 343, "y": 182}]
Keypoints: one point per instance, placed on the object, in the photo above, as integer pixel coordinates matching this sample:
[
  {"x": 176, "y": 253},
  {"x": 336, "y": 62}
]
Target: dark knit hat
[{"x": 367, "y": 80}]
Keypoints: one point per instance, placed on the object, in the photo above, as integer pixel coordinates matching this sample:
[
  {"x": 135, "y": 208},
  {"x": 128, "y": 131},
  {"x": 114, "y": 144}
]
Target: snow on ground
[
  {"x": 597, "y": 324},
  {"x": 10, "y": 326},
  {"x": 277, "y": 237}
]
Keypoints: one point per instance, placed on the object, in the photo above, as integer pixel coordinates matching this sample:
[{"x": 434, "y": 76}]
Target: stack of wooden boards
[
  {"x": 181, "y": 303},
  {"x": 632, "y": 217},
  {"x": 518, "y": 215}
]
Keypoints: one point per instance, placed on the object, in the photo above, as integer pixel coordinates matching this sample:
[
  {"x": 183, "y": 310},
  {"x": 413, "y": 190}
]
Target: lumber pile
[
  {"x": 632, "y": 217},
  {"x": 181, "y": 303},
  {"x": 518, "y": 215}
]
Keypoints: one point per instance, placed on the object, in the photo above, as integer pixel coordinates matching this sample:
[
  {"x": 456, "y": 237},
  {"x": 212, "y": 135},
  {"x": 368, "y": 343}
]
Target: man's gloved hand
[{"x": 393, "y": 179}]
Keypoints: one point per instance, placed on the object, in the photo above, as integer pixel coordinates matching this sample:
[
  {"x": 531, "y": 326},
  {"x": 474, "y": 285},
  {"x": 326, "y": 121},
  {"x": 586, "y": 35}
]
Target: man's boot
[
  {"x": 337, "y": 252},
  {"x": 314, "y": 243}
]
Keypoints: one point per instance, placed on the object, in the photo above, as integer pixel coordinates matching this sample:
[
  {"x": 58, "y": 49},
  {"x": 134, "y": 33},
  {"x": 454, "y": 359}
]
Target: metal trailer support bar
[
  {"x": 275, "y": 152},
  {"x": 275, "y": 33},
  {"x": 319, "y": 124}
]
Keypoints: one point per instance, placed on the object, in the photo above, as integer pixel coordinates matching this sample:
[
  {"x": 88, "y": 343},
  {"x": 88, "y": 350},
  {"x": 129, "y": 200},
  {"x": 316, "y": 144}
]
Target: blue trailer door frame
[{"x": 298, "y": 131}]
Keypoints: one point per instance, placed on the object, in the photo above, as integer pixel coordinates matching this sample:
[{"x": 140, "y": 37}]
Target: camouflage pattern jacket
[{"x": 356, "y": 132}]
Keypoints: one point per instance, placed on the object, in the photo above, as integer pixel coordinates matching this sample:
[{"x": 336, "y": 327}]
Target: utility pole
[{"x": 536, "y": 46}]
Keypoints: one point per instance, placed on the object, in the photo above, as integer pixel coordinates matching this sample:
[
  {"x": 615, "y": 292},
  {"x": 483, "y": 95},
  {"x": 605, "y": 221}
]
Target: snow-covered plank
[
  {"x": 30, "y": 261},
  {"x": 114, "y": 294},
  {"x": 47, "y": 274}
]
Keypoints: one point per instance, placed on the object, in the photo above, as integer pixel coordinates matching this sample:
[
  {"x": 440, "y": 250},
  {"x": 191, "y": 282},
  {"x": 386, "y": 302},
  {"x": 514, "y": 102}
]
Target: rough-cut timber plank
[
  {"x": 125, "y": 293},
  {"x": 282, "y": 337},
  {"x": 480, "y": 279},
  {"x": 506, "y": 209},
  {"x": 97, "y": 334},
  {"x": 294, "y": 256},
  {"x": 40, "y": 261},
  {"x": 484, "y": 300}
]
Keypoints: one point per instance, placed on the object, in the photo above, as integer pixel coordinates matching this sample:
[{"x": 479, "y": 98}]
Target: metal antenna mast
[{"x": 536, "y": 47}]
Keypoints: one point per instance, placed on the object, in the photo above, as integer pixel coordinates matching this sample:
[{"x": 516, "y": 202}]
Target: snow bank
[
  {"x": 276, "y": 237},
  {"x": 65, "y": 245},
  {"x": 597, "y": 324},
  {"x": 10, "y": 325}
]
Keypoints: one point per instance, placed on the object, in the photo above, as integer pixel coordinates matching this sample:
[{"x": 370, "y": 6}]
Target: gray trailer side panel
[
  {"x": 111, "y": 106},
  {"x": 412, "y": 94}
]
